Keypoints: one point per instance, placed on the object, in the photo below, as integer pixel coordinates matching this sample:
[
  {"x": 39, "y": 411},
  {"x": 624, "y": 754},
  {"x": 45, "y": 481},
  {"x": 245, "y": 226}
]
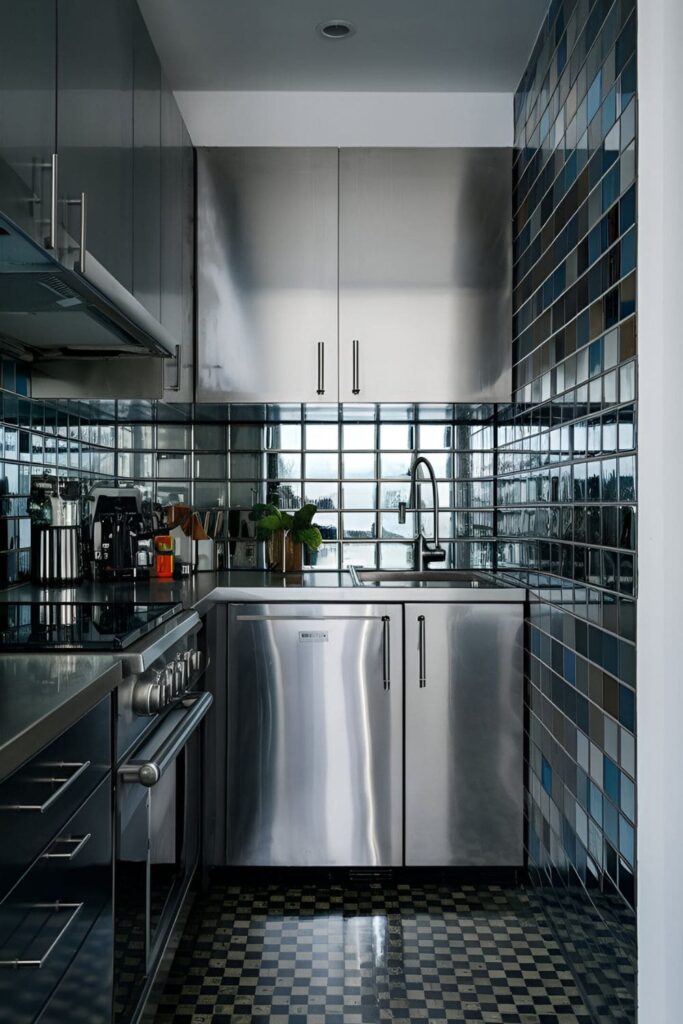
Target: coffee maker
[
  {"x": 120, "y": 537},
  {"x": 54, "y": 506}
]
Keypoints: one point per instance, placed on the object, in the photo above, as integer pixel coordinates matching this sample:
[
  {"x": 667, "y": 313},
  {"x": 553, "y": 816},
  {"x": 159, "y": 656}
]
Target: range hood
[{"x": 50, "y": 312}]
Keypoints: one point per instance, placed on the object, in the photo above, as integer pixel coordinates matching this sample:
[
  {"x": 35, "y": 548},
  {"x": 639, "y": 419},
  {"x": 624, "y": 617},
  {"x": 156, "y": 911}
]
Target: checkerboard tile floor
[{"x": 364, "y": 953}]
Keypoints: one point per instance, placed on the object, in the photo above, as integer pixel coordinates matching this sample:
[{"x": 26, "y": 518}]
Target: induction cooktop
[{"x": 79, "y": 625}]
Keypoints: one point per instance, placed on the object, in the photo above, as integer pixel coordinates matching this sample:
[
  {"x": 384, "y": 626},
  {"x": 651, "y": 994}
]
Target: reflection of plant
[{"x": 270, "y": 519}]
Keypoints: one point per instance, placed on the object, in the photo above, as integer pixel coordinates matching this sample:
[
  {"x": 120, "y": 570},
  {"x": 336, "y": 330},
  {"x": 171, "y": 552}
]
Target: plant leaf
[
  {"x": 310, "y": 536},
  {"x": 303, "y": 517}
]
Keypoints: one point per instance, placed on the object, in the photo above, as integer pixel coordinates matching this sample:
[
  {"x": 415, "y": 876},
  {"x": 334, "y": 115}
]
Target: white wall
[
  {"x": 347, "y": 118},
  {"x": 660, "y": 603}
]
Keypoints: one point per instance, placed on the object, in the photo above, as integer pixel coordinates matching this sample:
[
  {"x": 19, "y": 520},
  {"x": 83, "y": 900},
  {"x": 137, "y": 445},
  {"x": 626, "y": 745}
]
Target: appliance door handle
[
  {"x": 40, "y": 961},
  {"x": 321, "y": 368},
  {"x": 356, "y": 367},
  {"x": 422, "y": 648},
  {"x": 80, "y": 767},
  {"x": 149, "y": 772},
  {"x": 386, "y": 651}
]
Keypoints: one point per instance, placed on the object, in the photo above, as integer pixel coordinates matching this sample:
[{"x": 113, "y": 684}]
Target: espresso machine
[
  {"x": 54, "y": 506},
  {"x": 120, "y": 536}
]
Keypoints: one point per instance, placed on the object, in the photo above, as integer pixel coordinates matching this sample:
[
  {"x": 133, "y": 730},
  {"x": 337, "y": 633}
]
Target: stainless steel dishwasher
[{"x": 314, "y": 735}]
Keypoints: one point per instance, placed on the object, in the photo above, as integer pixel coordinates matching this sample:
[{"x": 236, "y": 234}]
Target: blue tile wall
[{"x": 567, "y": 479}]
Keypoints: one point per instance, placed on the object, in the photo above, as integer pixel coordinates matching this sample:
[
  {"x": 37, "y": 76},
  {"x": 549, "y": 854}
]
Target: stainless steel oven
[{"x": 158, "y": 805}]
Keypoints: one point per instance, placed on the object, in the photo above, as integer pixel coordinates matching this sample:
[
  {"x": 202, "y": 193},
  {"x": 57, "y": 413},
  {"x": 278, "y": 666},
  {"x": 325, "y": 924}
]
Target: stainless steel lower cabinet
[
  {"x": 464, "y": 734},
  {"x": 314, "y": 735}
]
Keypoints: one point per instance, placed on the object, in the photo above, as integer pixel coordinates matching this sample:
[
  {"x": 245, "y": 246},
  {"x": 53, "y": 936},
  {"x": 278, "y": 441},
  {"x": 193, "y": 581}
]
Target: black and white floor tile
[{"x": 364, "y": 953}]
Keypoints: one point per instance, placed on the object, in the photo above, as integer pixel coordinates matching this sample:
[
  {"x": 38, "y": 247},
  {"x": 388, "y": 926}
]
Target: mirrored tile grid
[
  {"x": 353, "y": 463},
  {"x": 69, "y": 438},
  {"x": 567, "y": 479}
]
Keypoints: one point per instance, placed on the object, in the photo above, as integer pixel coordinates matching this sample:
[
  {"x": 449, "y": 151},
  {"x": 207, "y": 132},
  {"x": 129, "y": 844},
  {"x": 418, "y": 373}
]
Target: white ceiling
[{"x": 400, "y": 45}]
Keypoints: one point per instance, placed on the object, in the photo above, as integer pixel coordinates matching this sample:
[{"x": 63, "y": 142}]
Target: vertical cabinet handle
[
  {"x": 84, "y": 230},
  {"x": 178, "y": 370},
  {"x": 321, "y": 368},
  {"x": 422, "y": 650},
  {"x": 356, "y": 367},
  {"x": 386, "y": 651},
  {"x": 54, "y": 185}
]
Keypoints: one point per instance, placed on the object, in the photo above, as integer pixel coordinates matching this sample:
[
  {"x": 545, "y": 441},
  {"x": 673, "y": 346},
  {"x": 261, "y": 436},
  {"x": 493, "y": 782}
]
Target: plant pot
[{"x": 284, "y": 553}]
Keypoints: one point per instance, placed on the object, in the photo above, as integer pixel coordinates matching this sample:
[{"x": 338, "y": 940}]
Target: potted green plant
[{"x": 285, "y": 534}]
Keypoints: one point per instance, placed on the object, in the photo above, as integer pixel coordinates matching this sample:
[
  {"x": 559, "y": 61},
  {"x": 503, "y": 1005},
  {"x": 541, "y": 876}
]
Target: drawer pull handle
[
  {"x": 73, "y": 844},
  {"x": 56, "y": 908},
  {"x": 80, "y": 768}
]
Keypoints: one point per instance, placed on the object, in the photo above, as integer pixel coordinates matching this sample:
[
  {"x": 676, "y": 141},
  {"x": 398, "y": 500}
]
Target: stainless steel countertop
[
  {"x": 206, "y": 588},
  {"x": 42, "y": 695}
]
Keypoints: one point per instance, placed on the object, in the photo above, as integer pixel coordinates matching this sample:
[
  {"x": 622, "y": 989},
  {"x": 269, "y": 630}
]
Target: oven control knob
[
  {"x": 187, "y": 661},
  {"x": 148, "y": 694},
  {"x": 178, "y": 676},
  {"x": 169, "y": 682}
]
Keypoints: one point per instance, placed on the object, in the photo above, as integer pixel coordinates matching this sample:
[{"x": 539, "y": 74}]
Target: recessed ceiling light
[{"x": 336, "y": 29}]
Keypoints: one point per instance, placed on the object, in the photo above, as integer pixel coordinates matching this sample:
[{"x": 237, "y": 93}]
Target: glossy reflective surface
[
  {"x": 315, "y": 702},
  {"x": 345, "y": 953},
  {"x": 428, "y": 577},
  {"x": 463, "y": 735}
]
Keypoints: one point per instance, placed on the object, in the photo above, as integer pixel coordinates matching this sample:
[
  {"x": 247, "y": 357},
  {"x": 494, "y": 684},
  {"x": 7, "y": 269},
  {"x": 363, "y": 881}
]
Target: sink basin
[{"x": 414, "y": 578}]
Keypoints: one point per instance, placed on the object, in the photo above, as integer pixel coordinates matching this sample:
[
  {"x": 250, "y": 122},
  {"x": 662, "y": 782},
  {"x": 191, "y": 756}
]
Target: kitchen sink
[{"x": 416, "y": 578}]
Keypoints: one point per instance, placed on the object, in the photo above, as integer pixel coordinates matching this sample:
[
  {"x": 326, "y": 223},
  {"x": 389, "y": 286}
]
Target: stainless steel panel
[
  {"x": 464, "y": 735},
  {"x": 177, "y": 190},
  {"x": 27, "y": 112},
  {"x": 146, "y": 169},
  {"x": 95, "y": 128},
  {"x": 425, "y": 280},
  {"x": 267, "y": 274},
  {"x": 314, "y": 774}
]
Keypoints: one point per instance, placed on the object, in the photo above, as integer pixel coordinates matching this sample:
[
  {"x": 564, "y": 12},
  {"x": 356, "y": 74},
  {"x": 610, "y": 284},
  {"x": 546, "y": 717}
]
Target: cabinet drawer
[
  {"x": 38, "y": 799},
  {"x": 47, "y": 916}
]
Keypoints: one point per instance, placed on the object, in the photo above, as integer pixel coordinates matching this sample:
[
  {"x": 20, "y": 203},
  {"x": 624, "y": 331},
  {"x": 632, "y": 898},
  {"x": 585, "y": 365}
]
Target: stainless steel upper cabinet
[
  {"x": 464, "y": 735},
  {"x": 146, "y": 169},
  {"x": 425, "y": 248},
  {"x": 28, "y": 35},
  {"x": 314, "y": 742},
  {"x": 267, "y": 275},
  {"x": 176, "y": 219},
  {"x": 95, "y": 130}
]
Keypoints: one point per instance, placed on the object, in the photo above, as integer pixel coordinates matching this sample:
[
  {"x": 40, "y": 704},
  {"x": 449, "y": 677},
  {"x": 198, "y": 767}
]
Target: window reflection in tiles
[{"x": 322, "y": 465}]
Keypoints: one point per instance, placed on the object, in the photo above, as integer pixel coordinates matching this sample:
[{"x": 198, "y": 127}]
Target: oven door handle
[{"x": 148, "y": 772}]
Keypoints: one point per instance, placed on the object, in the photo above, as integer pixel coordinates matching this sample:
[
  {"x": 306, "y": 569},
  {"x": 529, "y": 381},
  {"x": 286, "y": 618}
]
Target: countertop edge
[
  {"x": 357, "y": 595},
  {"x": 31, "y": 740}
]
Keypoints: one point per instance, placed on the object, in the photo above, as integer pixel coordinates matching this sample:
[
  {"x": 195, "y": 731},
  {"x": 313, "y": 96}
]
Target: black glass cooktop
[{"x": 79, "y": 625}]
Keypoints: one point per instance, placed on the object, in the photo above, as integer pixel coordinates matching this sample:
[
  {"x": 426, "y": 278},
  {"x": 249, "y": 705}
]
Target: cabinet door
[
  {"x": 425, "y": 275},
  {"x": 267, "y": 275},
  {"x": 464, "y": 735},
  {"x": 95, "y": 129},
  {"x": 314, "y": 741},
  {"x": 146, "y": 169},
  {"x": 177, "y": 384},
  {"x": 28, "y": 34}
]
